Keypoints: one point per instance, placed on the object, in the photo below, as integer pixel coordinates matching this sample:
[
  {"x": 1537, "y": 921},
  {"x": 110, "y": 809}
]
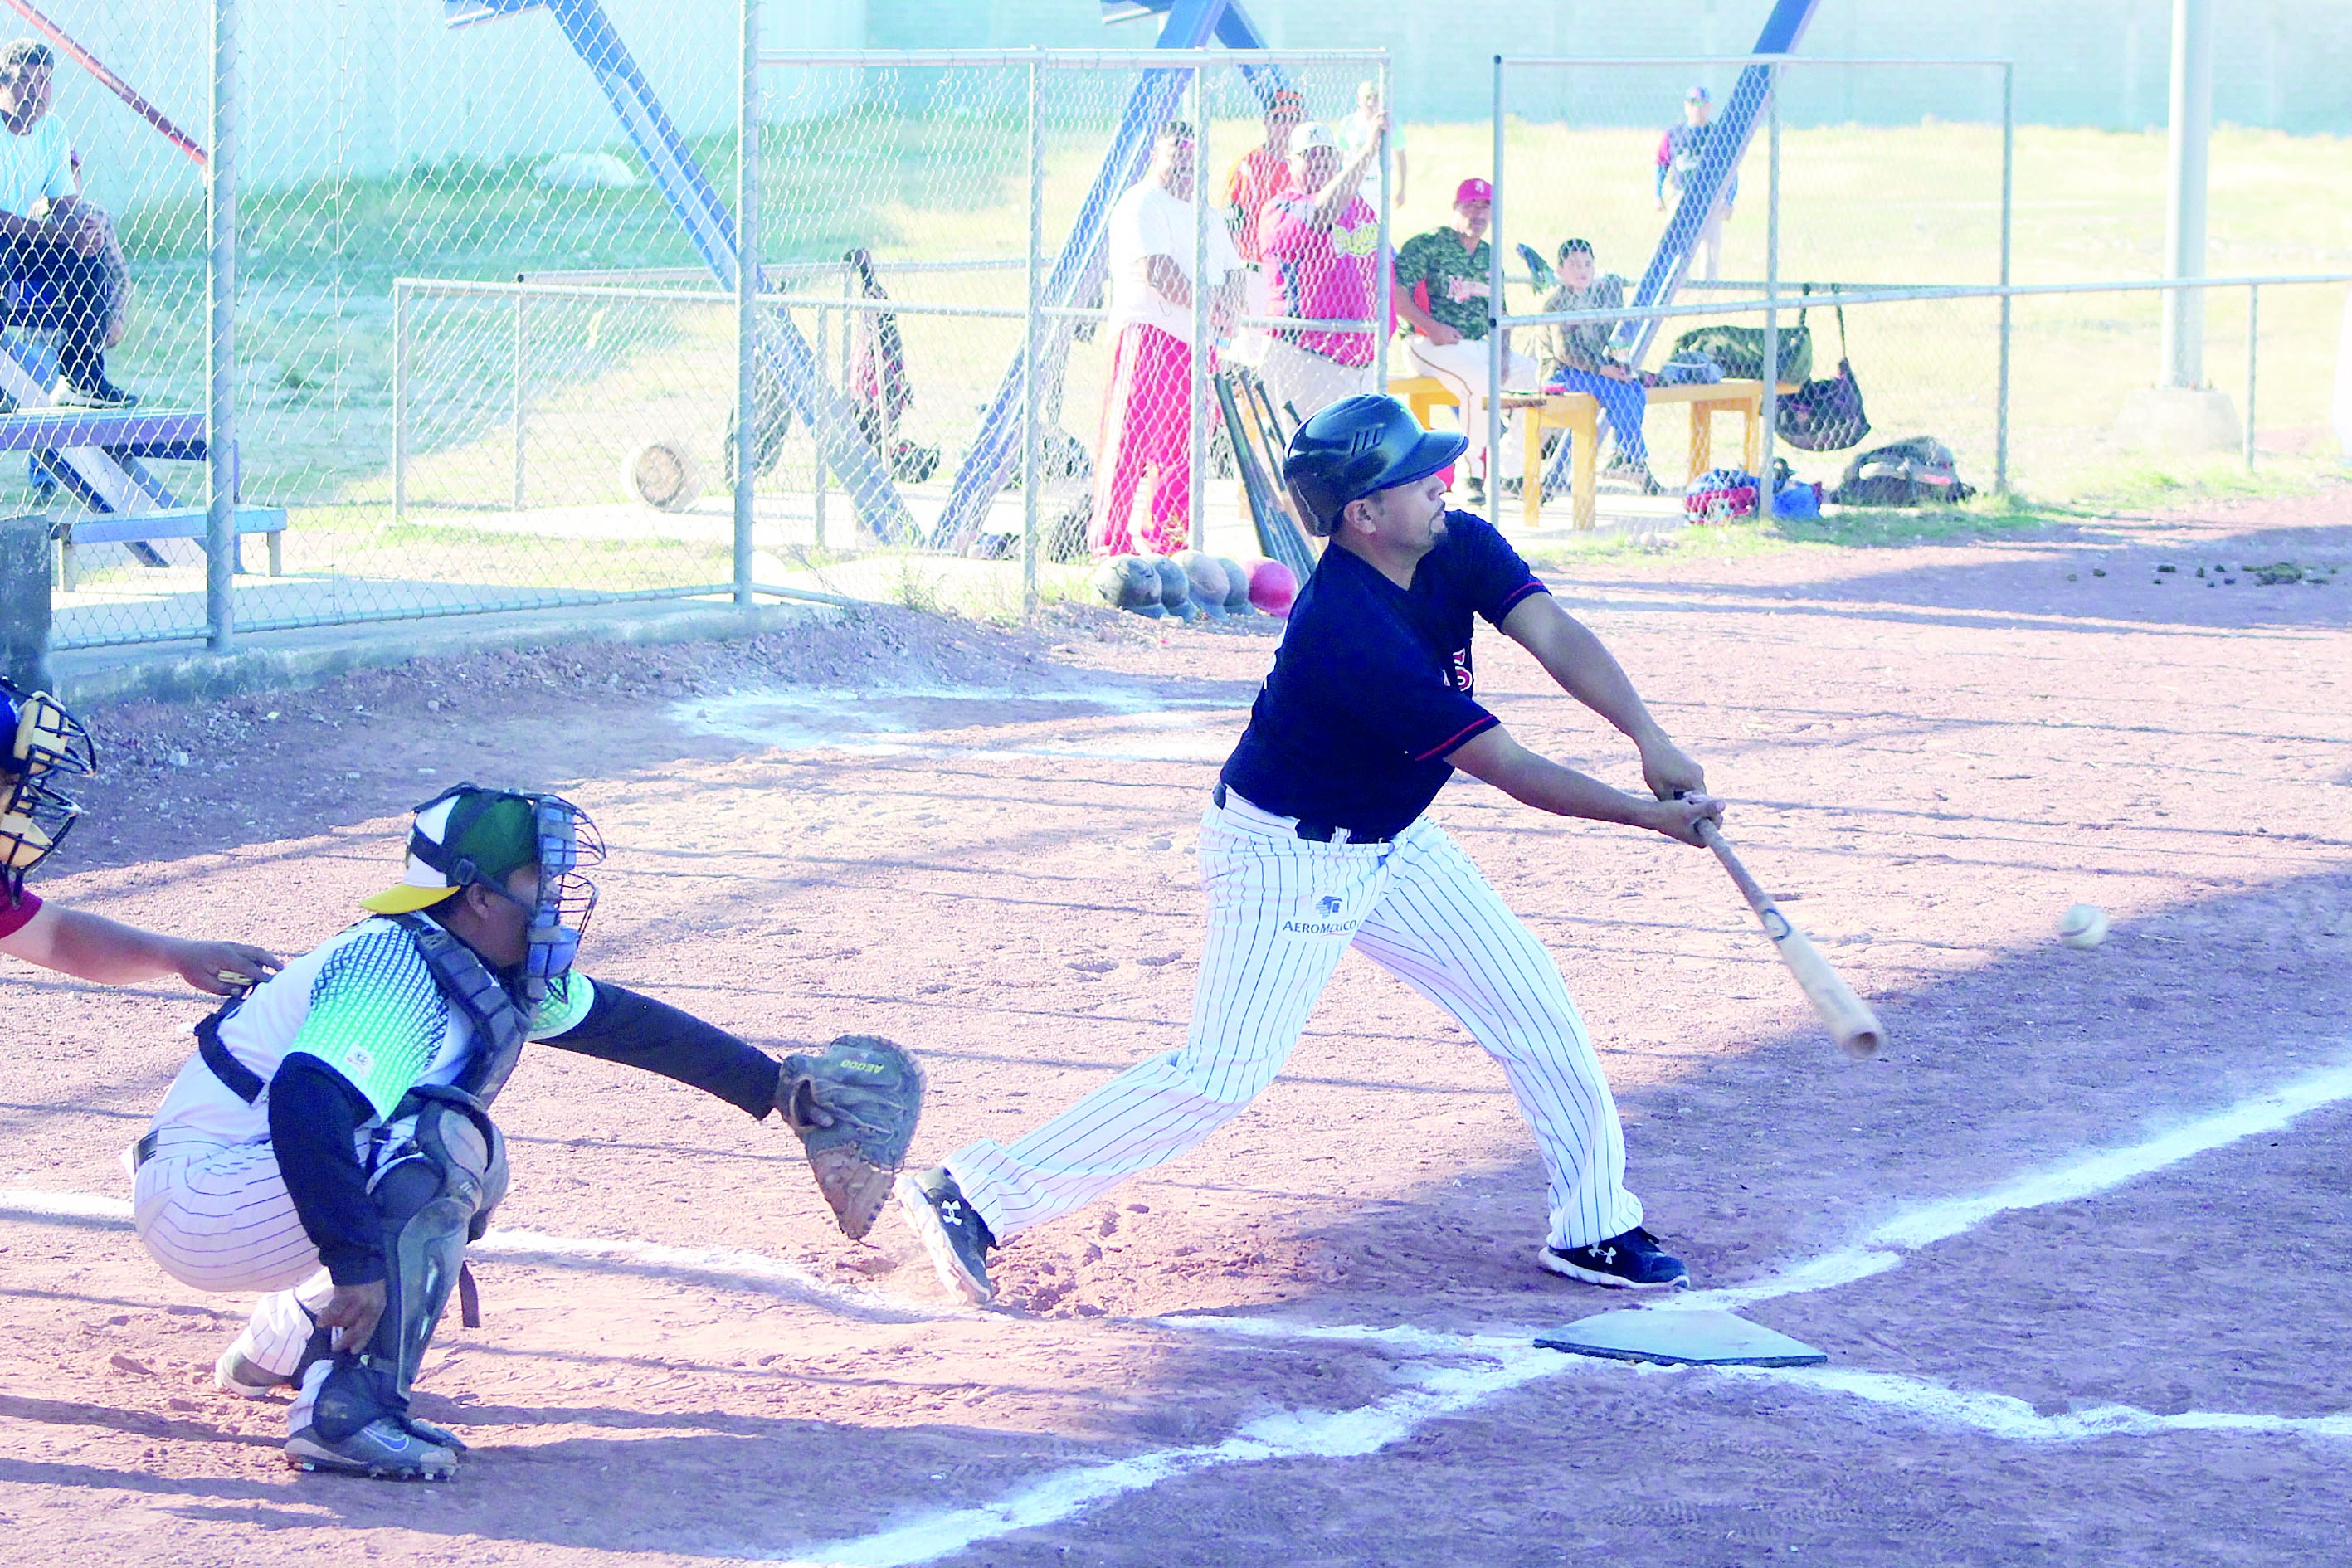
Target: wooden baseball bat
[{"x": 1851, "y": 1022}]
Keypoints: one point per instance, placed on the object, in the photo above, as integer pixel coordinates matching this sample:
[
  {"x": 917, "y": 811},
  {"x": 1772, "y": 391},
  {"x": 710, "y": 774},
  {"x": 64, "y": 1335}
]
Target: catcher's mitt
[{"x": 855, "y": 1103}]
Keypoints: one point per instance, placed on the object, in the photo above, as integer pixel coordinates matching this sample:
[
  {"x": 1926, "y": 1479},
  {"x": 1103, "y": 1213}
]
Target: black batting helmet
[
  {"x": 1358, "y": 447},
  {"x": 39, "y": 743}
]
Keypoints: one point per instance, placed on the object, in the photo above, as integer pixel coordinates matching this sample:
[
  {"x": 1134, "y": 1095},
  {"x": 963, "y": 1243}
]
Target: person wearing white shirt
[
  {"x": 1154, "y": 232},
  {"x": 56, "y": 250}
]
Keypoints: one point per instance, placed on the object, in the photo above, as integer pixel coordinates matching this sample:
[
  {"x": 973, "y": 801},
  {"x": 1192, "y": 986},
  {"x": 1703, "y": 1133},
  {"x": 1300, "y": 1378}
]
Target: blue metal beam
[
  {"x": 711, "y": 229},
  {"x": 1727, "y": 144}
]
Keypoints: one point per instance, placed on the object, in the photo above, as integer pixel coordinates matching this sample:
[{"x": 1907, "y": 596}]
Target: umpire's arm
[{"x": 1586, "y": 671}]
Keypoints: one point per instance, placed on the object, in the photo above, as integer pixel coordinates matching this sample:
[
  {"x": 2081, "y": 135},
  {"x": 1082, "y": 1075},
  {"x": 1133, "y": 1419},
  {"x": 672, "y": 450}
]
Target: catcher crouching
[{"x": 331, "y": 1142}]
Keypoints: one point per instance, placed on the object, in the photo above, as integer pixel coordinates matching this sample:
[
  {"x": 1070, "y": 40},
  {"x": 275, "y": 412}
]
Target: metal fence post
[
  {"x": 2007, "y": 217},
  {"x": 220, "y": 423},
  {"x": 1383, "y": 248},
  {"x": 747, "y": 433},
  {"x": 1771, "y": 413},
  {"x": 1495, "y": 357},
  {"x": 1197, "y": 380},
  {"x": 1030, "y": 391},
  {"x": 400, "y": 371},
  {"x": 2254, "y": 303},
  {"x": 518, "y": 371}
]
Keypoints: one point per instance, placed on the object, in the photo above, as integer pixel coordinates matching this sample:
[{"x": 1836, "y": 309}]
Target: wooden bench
[
  {"x": 138, "y": 527},
  {"x": 125, "y": 435},
  {"x": 1579, "y": 414}
]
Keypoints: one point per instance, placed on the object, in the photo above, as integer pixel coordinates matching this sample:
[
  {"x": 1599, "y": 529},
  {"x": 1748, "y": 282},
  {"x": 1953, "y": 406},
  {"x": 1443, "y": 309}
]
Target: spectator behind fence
[
  {"x": 58, "y": 260},
  {"x": 1578, "y": 359},
  {"x": 1318, "y": 238},
  {"x": 1679, "y": 152},
  {"x": 1367, "y": 124},
  {"x": 1146, "y": 424},
  {"x": 1258, "y": 178},
  {"x": 1442, "y": 296}
]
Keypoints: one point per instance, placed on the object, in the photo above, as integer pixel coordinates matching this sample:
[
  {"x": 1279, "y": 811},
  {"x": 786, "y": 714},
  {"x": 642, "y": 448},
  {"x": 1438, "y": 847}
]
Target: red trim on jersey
[
  {"x": 1512, "y": 601},
  {"x": 1484, "y": 723},
  {"x": 13, "y": 917}
]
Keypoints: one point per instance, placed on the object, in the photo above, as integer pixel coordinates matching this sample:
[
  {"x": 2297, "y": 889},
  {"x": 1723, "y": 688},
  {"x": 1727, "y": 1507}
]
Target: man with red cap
[{"x": 1443, "y": 283}]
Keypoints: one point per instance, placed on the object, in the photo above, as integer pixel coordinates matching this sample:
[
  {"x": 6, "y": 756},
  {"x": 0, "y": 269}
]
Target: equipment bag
[
  {"x": 1825, "y": 415},
  {"x": 1916, "y": 471},
  {"x": 1739, "y": 351}
]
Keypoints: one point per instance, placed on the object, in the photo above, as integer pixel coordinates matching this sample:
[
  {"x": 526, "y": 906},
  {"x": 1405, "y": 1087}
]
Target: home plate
[{"x": 1680, "y": 1338}]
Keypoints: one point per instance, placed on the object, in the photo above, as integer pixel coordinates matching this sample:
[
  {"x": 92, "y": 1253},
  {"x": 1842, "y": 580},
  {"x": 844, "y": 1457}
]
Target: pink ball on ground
[{"x": 1272, "y": 587}]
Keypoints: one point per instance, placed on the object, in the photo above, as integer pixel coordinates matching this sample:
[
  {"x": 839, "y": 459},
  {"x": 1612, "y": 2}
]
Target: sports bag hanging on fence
[
  {"x": 1739, "y": 351},
  {"x": 1825, "y": 415}
]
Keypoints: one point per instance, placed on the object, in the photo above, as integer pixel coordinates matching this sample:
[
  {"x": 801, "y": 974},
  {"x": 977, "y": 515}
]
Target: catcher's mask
[
  {"x": 39, "y": 743},
  {"x": 1358, "y": 447},
  {"x": 468, "y": 834}
]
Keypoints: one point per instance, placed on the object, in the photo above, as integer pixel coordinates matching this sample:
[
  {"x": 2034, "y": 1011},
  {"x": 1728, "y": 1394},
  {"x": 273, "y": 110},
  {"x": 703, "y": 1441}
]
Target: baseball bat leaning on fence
[{"x": 1851, "y": 1022}]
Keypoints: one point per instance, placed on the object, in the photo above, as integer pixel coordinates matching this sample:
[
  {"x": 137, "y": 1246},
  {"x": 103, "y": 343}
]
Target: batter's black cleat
[
  {"x": 1634, "y": 1261},
  {"x": 950, "y": 1229}
]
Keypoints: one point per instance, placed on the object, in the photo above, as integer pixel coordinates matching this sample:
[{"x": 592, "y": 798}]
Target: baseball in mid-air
[{"x": 2084, "y": 925}]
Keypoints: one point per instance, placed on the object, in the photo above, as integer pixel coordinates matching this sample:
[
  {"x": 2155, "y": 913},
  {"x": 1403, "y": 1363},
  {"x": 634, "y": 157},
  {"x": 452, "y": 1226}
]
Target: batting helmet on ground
[{"x": 1358, "y": 447}]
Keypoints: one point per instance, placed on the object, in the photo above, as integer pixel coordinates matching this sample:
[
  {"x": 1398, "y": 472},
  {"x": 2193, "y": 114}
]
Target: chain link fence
[
  {"x": 489, "y": 352},
  {"x": 985, "y": 212}
]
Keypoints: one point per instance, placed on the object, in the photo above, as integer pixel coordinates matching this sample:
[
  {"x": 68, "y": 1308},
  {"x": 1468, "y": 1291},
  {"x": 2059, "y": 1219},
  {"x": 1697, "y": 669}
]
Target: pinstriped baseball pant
[
  {"x": 218, "y": 1216},
  {"x": 1283, "y": 910}
]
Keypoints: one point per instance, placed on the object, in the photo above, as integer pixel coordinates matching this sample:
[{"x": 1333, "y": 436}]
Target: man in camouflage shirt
[{"x": 1442, "y": 289}]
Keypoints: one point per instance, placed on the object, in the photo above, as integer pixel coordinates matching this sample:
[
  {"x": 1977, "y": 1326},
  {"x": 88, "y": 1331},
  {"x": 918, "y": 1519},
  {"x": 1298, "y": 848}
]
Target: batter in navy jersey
[{"x": 1315, "y": 842}]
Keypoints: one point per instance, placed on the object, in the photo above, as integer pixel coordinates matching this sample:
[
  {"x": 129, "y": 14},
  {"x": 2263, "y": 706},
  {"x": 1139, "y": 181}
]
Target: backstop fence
[{"x": 433, "y": 377}]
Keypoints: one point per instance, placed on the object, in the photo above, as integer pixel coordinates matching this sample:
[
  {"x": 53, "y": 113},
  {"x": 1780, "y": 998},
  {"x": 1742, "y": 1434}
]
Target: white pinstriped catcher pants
[
  {"x": 218, "y": 1216},
  {"x": 1283, "y": 910}
]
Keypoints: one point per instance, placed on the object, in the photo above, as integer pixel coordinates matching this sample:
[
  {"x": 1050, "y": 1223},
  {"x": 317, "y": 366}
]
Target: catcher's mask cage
[
  {"x": 565, "y": 841},
  {"x": 42, "y": 742},
  {"x": 1356, "y": 448}
]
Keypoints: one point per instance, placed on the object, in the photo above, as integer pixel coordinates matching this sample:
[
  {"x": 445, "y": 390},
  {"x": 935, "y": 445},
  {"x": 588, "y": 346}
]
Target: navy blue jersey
[{"x": 1372, "y": 685}]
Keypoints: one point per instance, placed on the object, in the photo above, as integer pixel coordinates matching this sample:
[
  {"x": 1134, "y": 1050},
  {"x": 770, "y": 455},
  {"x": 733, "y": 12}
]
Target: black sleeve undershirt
[
  {"x": 637, "y": 1031},
  {"x": 314, "y": 1116}
]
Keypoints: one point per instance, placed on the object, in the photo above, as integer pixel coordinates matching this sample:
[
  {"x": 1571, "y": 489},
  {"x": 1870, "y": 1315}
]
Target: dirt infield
[{"x": 2076, "y": 1261}]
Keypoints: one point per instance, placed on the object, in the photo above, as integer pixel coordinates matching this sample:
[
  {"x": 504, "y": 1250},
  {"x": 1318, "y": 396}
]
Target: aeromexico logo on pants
[{"x": 1328, "y": 908}]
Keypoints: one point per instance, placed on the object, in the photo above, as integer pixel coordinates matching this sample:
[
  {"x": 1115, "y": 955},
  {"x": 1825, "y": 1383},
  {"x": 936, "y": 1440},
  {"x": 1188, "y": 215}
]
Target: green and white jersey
[{"x": 365, "y": 1004}]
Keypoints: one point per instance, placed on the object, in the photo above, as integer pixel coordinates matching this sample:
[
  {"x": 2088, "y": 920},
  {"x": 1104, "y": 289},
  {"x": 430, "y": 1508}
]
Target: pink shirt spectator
[{"x": 1322, "y": 274}]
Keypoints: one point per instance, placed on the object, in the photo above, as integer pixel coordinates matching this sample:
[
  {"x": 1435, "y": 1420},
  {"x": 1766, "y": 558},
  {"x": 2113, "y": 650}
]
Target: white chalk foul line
[
  {"x": 2085, "y": 1176},
  {"x": 1502, "y": 1364}
]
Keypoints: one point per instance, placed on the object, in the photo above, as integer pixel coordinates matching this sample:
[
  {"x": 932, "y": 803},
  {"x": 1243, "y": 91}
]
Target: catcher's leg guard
[{"x": 438, "y": 1175}]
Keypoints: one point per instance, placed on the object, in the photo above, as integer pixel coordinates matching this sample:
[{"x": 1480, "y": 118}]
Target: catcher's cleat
[
  {"x": 1634, "y": 1261},
  {"x": 233, "y": 1374},
  {"x": 384, "y": 1449},
  {"x": 956, "y": 1239}
]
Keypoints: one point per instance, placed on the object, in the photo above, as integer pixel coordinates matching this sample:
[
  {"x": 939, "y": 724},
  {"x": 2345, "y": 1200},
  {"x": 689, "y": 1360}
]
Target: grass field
[{"x": 1875, "y": 205}]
